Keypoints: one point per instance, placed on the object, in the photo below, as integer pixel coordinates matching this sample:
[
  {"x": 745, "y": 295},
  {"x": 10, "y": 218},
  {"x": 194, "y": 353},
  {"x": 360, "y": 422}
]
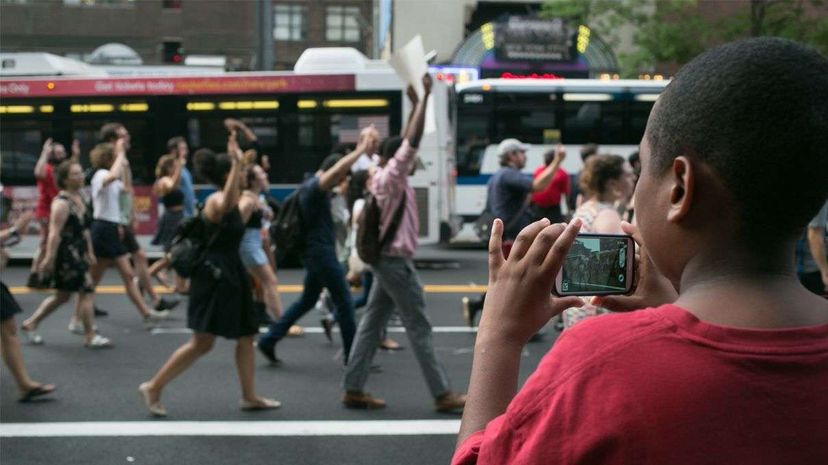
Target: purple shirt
[{"x": 388, "y": 184}]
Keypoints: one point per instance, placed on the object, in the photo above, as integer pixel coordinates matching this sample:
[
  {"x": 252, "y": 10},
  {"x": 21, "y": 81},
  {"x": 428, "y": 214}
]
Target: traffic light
[{"x": 173, "y": 52}]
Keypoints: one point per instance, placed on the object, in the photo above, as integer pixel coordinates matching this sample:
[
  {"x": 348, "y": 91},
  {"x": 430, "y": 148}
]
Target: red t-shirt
[
  {"x": 46, "y": 190},
  {"x": 551, "y": 196},
  {"x": 658, "y": 386}
]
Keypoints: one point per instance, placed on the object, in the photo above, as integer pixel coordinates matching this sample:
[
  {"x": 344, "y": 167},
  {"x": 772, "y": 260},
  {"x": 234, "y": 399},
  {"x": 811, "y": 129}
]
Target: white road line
[
  {"x": 391, "y": 329},
  {"x": 229, "y": 428}
]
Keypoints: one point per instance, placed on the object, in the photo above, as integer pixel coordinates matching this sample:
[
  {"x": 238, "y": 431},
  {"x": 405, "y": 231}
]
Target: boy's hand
[
  {"x": 560, "y": 153},
  {"x": 652, "y": 289},
  {"x": 519, "y": 300},
  {"x": 427, "y": 82}
]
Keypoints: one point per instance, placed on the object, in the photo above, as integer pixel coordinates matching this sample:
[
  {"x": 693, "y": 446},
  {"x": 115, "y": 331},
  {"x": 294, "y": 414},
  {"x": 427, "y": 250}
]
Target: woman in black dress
[
  {"x": 12, "y": 355},
  {"x": 68, "y": 257},
  {"x": 220, "y": 293}
]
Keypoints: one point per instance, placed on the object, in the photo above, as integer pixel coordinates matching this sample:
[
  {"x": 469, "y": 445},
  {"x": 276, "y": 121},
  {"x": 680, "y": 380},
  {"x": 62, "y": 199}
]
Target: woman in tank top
[{"x": 168, "y": 189}]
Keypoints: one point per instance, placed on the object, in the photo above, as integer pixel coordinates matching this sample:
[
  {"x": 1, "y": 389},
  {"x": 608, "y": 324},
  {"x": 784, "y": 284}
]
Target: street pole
[{"x": 265, "y": 50}]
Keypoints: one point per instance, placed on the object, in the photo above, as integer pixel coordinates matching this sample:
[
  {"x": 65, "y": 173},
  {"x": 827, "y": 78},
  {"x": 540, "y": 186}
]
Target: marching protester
[
  {"x": 220, "y": 295},
  {"x": 52, "y": 154},
  {"x": 812, "y": 254},
  {"x": 109, "y": 162},
  {"x": 546, "y": 203},
  {"x": 396, "y": 282},
  {"x": 12, "y": 354},
  {"x": 177, "y": 147},
  {"x": 68, "y": 257},
  {"x": 168, "y": 189},
  {"x": 322, "y": 269},
  {"x": 725, "y": 358}
]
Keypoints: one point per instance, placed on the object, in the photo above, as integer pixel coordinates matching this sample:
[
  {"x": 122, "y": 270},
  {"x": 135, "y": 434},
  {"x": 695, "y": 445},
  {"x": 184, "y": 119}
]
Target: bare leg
[
  {"x": 13, "y": 356},
  {"x": 180, "y": 360},
  {"x": 49, "y": 305},
  {"x": 156, "y": 271},
  {"x": 122, "y": 263},
  {"x": 244, "y": 366},
  {"x": 44, "y": 237},
  {"x": 264, "y": 274},
  {"x": 84, "y": 306},
  {"x": 142, "y": 271}
]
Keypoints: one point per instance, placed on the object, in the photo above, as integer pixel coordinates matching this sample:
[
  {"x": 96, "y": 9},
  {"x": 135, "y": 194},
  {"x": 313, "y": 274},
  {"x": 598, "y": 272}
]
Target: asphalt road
[{"x": 96, "y": 417}]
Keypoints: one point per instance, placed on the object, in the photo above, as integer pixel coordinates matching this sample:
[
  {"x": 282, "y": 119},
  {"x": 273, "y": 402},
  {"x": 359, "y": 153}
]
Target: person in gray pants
[{"x": 396, "y": 281}]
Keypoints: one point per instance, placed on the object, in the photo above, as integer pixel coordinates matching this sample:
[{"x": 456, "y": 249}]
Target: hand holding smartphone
[{"x": 598, "y": 264}]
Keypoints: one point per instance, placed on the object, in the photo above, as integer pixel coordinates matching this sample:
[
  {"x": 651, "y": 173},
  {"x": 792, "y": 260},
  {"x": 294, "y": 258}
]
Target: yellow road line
[{"x": 284, "y": 288}]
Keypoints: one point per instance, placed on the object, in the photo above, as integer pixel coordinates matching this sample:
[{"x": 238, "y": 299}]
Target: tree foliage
[{"x": 675, "y": 31}]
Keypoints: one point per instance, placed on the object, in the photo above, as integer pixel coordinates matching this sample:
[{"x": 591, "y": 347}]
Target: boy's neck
[{"x": 747, "y": 290}]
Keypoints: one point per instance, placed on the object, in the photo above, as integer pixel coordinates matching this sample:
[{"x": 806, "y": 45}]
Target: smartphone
[{"x": 598, "y": 264}]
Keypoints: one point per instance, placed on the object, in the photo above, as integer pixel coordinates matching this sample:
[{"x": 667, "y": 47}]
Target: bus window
[
  {"x": 593, "y": 122},
  {"x": 20, "y": 146},
  {"x": 638, "y": 114},
  {"x": 524, "y": 116},
  {"x": 472, "y": 139}
]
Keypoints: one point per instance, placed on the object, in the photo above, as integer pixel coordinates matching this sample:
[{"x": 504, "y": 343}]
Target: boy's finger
[
  {"x": 526, "y": 238},
  {"x": 495, "y": 244},
  {"x": 543, "y": 242},
  {"x": 557, "y": 253}
]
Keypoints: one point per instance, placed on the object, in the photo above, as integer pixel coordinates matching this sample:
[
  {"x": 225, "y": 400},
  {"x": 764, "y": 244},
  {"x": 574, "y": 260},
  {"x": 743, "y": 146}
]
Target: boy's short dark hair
[
  {"x": 389, "y": 146},
  {"x": 109, "y": 132},
  {"x": 588, "y": 150},
  {"x": 756, "y": 111},
  {"x": 172, "y": 144}
]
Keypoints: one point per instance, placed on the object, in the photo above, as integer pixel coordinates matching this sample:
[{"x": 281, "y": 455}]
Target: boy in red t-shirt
[
  {"x": 732, "y": 368},
  {"x": 547, "y": 203},
  {"x": 53, "y": 154}
]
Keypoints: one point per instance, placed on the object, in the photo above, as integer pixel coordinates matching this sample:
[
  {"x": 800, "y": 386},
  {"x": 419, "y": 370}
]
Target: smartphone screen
[{"x": 597, "y": 264}]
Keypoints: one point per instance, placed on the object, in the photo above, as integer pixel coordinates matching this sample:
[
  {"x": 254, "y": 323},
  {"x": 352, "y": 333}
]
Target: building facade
[{"x": 157, "y": 29}]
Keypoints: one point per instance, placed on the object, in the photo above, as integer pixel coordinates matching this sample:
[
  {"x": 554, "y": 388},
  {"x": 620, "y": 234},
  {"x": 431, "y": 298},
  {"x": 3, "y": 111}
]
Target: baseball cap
[{"x": 508, "y": 145}]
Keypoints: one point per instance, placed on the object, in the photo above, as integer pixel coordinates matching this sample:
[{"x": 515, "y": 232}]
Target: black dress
[
  {"x": 168, "y": 224},
  {"x": 221, "y": 302},
  {"x": 8, "y": 305},
  {"x": 71, "y": 272}
]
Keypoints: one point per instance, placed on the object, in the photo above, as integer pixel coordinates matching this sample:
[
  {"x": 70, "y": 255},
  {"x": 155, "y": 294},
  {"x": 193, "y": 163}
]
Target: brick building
[{"x": 216, "y": 27}]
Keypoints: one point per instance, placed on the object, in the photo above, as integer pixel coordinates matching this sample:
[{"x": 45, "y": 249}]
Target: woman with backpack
[{"x": 220, "y": 294}]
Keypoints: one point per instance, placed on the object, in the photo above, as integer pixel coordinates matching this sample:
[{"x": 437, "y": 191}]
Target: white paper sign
[{"x": 411, "y": 65}]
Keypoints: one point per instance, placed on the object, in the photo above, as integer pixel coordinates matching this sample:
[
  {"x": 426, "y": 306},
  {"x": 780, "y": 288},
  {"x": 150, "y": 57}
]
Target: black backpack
[
  {"x": 189, "y": 246},
  {"x": 369, "y": 244},
  {"x": 286, "y": 230}
]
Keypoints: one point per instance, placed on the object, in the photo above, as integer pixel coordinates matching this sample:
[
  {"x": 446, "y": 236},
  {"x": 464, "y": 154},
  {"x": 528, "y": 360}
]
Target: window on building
[
  {"x": 342, "y": 24},
  {"x": 289, "y": 22},
  {"x": 99, "y": 2}
]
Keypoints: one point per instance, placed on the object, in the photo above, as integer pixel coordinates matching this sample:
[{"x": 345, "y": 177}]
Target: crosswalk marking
[
  {"x": 229, "y": 428},
  {"x": 391, "y": 329},
  {"x": 284, "y": 288}
]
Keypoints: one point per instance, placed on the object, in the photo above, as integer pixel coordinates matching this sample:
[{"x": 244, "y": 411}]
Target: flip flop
[
  {"x": 31, "y": 336},
  {"x": 296, "y": 331},
  {"x": 390, "y": 344},
  {"x": 37, "y": 391}
]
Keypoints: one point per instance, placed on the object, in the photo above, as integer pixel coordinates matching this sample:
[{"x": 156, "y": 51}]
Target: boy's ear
[{"x": 682, "y": 191}]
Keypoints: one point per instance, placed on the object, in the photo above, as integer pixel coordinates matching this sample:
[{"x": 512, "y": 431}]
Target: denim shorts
[{"x": 250, "y": 250}]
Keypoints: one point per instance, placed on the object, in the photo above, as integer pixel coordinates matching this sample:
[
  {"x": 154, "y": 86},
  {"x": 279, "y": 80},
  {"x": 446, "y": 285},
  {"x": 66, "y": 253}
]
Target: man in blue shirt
[
  {"x": 322, "y": 267},
  {"x": 177, "y": 146}
]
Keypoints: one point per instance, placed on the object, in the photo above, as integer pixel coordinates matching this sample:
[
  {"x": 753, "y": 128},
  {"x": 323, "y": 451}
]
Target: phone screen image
[{"x": 597, "y": 265}]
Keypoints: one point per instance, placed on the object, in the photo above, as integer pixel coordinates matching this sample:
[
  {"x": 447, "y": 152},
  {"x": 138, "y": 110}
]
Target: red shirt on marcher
[
  {"x": 46, "y": 191},
  {"x": 659, "y": 386},
  {"x": 551, "y": 196}
]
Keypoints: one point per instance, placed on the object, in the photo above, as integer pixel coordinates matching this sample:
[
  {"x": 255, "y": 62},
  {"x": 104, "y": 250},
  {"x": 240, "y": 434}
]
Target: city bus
[
  {"x": 541, "y": 112},
  {"x": 297, "y": 116}
]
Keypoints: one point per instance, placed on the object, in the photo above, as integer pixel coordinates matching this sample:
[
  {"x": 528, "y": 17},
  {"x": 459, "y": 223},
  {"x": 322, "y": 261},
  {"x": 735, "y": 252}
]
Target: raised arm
[
  {"x": 43, "y": 160},
  {"x": 416, "y": 123},
  {"x": 165, "y": 184},
  {"x": 119, "y": 165},
  {"x": 218, "y": 206},
  {"x": 234, "y": 124},
  {"x": 76, "y": 152},
  {"x": 542, "y": 182},
  {"x": 331, "y": 177}
]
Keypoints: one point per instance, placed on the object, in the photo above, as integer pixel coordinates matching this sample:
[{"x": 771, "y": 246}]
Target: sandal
[
  {"x": 31, "y": 336},
  {"x": 98, "y": 342},
  {"x": 296, "y": 331},
  {"x": 390, "y": 344},
  {"x": 260, "y": 404},
  {"x": 36, "y": 391},
  {"x": 155, "y": 408}
]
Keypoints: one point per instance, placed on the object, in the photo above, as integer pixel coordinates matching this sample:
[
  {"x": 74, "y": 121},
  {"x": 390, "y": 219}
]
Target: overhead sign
[
  {"x": 522, "y": 38},
  {"x": 238, "y": 84}
]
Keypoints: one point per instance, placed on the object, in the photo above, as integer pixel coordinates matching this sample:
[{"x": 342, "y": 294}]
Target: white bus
[{"x": 541, "y": 112}]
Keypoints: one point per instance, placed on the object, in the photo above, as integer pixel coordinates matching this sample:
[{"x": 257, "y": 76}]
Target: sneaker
[
  {"x": 32, "y": 337},
  {"x": 76, "y": 327},
  {"x": 159, "y": 314},
  {"x": 450, "y": 402},
  {"x": 165, "y": 304},
  {"x": 33, "y": 281},
  {"x": 467, "y": 315},
  {"x": 98, "y": 342},
  {"x": 261, "y": 403},
  {"x": 100, "y": 312},
  {"x": 362, "y": 400}
]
